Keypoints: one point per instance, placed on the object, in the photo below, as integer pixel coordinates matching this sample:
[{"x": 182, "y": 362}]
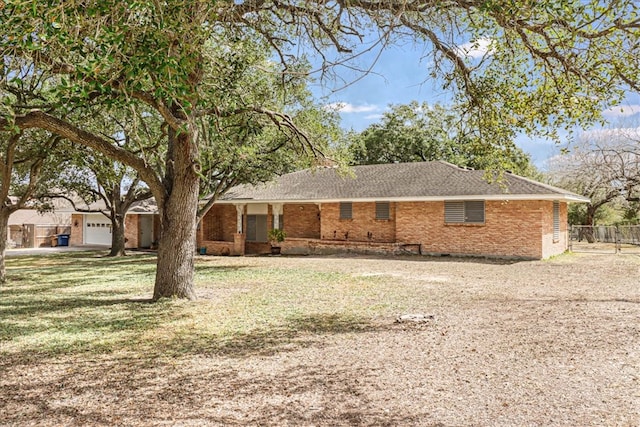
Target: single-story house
[
  {"x": 141, "y": 226},
  {"x": 426, "y": 208}
]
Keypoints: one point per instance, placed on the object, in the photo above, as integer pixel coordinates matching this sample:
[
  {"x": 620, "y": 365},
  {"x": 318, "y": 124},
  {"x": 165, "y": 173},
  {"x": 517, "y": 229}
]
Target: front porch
[{"x": 241, "y": 229}]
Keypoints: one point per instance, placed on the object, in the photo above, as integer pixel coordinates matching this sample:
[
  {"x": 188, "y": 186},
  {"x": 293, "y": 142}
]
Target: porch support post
[
  {"x": 276, "y": 210},
  {"x": 239, "y": 212}
]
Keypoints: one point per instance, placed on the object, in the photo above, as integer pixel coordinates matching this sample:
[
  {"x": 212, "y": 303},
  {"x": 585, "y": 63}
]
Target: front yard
[{"x": 313, "y": 341}]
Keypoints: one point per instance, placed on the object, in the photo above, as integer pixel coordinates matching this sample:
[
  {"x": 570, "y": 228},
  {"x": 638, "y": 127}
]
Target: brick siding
[
  {"x": 362, "y": 227},
  {"x": 302, "y": 220},
  {"x": 131, "y": 223},
  {"x": 549, "y": 246},
  {"x": 220, "y": 223},
  {"x": 77, "y": 236},
  {"x": 513, "y": 229}
]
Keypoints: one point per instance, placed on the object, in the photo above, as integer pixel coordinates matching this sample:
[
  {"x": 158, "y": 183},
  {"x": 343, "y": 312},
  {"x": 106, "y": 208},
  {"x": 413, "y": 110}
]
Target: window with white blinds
[
  {"x": 345, "y": 210},
  {"x": 382, "y": 210},
  {"x": 556, "y": 221},
  {"x": 463, "y": 212}
]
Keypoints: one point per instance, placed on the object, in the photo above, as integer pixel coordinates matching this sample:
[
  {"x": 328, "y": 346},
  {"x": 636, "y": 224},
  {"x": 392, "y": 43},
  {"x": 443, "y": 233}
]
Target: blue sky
[{"x": 400, "y": 75}]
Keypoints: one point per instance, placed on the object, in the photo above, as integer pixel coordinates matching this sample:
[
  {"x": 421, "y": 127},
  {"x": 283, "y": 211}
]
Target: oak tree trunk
[
  {"x": 590, "y": 219},
  {"x": 176, "y": 246},
  {"x": 117, "y": 235},
  {"x": 4, "y": 228}
]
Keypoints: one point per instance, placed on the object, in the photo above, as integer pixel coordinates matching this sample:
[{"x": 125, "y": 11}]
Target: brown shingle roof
[{"x": 420, "y": 180}]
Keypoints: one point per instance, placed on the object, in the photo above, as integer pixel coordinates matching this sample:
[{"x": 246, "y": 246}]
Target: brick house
[{"x": 425, "y": 208}]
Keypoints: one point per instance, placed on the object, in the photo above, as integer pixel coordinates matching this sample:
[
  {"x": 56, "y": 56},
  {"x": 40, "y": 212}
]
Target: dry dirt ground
[{"x": 548, "y": 343}]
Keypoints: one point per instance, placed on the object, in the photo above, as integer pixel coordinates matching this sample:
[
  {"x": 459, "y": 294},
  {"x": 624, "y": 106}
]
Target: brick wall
[
  {"x": 220, "y": 223},
  {"x": 302, "y": 220},
  {"x": 362, "y": 227},
  {"x": 511, "y": 229},
  {"x": 549, "y": 246},
  {"x": 77, "y": 237},
  {"x": 131, "y": 234}
]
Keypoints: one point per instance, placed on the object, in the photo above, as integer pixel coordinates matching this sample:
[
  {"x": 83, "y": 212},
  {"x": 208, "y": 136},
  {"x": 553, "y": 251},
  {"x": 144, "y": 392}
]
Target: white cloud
[
  {"x": 475, "y": 48},
  {"x": 622, "y": 110},
  {"x": 374, "y": 116},
  {"x": 345, "y": 107}
]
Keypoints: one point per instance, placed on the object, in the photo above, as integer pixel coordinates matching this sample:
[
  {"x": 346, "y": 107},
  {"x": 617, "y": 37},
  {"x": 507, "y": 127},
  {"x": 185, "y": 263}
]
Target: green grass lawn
[{"x": 75, "y": 303}]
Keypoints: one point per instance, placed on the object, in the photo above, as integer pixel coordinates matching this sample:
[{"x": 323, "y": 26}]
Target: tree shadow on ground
[
  {"x": 134, "y": 320},
  {"x": 77, "y": 325},
  {"x": 295, "y": 332},
  {"x": 46, "y": 280},
  {"x": 109, "y": 391}
]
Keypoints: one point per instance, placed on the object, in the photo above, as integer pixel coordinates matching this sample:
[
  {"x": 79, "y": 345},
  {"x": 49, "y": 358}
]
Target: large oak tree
[
  {"x": 549, "y": 63},
  {"x": 420, "y": 132}
]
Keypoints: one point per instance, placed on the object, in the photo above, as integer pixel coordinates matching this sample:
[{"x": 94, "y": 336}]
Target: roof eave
[{"x": 500, "y": 197}]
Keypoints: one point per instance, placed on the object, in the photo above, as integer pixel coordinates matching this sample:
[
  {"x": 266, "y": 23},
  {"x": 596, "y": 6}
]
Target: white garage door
[{"x": 97, "y": 230}]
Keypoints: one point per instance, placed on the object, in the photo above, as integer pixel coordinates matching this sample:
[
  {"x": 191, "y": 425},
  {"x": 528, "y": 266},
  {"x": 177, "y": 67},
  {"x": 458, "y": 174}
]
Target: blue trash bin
[{"x": 63, "y": 240}]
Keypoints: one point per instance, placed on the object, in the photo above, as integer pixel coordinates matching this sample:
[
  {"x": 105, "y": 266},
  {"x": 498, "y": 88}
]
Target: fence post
[
  {"x": 570, "y": 238},
  {"x": 618, "y": 240}
]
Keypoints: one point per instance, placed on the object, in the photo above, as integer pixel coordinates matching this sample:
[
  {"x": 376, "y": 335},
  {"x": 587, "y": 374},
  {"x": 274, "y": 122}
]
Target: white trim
[
  {"x": 502, "y": 197},
  {"x": 239, "y": 213},
  {"x": 257, "y": 209}
]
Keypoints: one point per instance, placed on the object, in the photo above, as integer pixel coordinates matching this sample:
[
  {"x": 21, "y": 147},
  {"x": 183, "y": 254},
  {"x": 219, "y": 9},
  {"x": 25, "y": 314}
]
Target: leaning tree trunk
[
  {"x": 117, "y": 235},
  {"x": 176, "y": 246},
  {"x": 4, "y": 227}
]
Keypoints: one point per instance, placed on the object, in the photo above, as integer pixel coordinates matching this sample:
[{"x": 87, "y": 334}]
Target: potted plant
[{"x": 276, "y": 236}]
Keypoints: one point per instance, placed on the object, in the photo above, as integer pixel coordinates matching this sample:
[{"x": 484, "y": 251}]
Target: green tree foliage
[
  {"x": 30, "y": 159},
  {"x": 30, "y": 163},
  {"x": 420, "y": 132},
  {"x": 548, "y": 64}
]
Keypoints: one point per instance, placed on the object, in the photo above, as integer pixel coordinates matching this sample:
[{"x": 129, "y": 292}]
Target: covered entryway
[{"x": 97, "y": 230}]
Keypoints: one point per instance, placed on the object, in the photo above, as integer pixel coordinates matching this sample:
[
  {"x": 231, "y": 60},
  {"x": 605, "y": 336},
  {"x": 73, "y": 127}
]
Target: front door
[
  {"x": 256, "y": 228},
  {"x": 146, "y": 231}
]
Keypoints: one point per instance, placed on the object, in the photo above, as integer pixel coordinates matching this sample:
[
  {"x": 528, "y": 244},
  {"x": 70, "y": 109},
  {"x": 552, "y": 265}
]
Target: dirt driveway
[{"x": 544, "y": 343}]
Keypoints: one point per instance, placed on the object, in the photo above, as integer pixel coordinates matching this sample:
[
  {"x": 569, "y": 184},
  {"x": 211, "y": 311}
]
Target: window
[
  {"x": 556, "y": 221},
  {"x": 463, "y": 212},
  {"x": 382, "y": 210},
  {"x": 345, "y": 210}
]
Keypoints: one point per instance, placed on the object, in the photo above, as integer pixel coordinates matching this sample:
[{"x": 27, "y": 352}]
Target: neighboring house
[
  {"x": 29, "y": 228},
  {"x": 141, "y": 226},
  {"x": 426, "y": 208}
]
